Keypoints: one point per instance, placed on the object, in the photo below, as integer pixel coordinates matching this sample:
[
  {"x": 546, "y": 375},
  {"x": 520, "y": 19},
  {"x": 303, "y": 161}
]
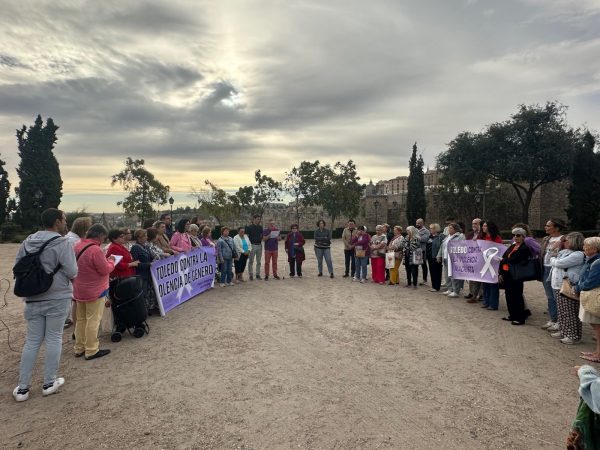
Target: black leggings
[{"x": 435, "y": 272}]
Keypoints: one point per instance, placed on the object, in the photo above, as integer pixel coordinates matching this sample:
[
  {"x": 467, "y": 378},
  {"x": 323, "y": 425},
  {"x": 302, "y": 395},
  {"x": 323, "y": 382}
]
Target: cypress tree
[
  {"x": 585, "y": 180},
  {"x": 4, "y": 192},
  {"x": 415, "y": 198},
  {"x": 40, "y": 185}
]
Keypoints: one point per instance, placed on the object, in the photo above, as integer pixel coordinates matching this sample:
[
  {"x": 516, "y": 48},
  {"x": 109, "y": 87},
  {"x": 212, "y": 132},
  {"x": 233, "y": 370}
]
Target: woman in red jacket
[
  {"x": 90, "y": 288},
  {"x": 294, "y": 247},
  {"x": 126, "y": 267}
]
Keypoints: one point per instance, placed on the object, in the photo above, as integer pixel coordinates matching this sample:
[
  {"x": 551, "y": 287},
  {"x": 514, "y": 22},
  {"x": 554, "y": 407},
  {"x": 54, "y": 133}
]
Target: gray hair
[
  {"x": 519, "y": 231},
  {"x": 593, "y": 242},
  {"x": 436, "y": 227},
  {"x": 576, "y": 240},
  {"x": 411, "y": 231},
  {"x": 379, "y": 228},
  {"x": 194, "y": 227}
]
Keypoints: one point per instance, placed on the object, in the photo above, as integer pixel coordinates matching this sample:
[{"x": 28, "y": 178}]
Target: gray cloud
[{"x": 193, "y": 86}]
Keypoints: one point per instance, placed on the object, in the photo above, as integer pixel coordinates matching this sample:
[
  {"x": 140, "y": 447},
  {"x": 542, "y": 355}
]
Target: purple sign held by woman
[
  {"x": 178, "y": 278},
  {"x": 475, "y": 260}
]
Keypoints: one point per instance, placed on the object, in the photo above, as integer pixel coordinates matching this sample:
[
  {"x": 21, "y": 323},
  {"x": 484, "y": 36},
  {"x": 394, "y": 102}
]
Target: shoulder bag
[
  {"x": 390, "y": 260},
  {"x": 416, "y": 257},
  {"x": 527, "y": 270},
  {"x": 590, "y": 301},
  {"x": 566, "y": 290}
]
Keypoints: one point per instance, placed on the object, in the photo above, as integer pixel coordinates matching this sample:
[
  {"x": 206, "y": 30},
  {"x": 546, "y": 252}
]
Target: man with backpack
[{"x": 44, "y": 268}]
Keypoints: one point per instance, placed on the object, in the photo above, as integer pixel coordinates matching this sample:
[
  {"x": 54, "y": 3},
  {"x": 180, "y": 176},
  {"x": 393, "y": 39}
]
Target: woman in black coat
[
  {"x": 516, "y": 254},
  {"x": 141, "y": 252}
]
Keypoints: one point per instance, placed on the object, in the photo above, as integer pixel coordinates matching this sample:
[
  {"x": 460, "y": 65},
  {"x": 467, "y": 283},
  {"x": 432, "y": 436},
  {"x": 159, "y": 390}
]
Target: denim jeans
[
  {"x": 361, "y": 268},
  {"x": 550, "y": 294},
  {"x": 324, "y": 252},
  {"x": 457, "y": 285},
  {"x": 255, "y": 252},
  {"x": 226, "y": 274},
  {"x": 45, "y": 322},
  {"x": 491, "y": 294}
]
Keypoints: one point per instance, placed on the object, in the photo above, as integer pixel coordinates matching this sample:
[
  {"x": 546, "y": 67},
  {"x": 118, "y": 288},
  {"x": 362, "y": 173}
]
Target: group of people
[{"x": 82, "y": 266}]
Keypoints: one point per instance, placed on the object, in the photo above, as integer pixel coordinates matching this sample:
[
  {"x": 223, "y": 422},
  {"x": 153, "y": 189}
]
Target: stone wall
[{"x": 550, "y": 200}]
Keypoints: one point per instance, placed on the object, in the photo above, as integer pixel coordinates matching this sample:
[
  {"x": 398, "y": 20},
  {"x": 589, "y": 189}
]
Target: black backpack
[{"x": 30, "y": 277}]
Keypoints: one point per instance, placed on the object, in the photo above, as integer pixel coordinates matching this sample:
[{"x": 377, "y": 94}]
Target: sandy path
[{"x": 306, "y": 363}]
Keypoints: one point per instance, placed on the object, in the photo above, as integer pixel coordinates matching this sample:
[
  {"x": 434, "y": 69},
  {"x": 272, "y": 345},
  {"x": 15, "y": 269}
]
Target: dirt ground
[{"x": 305, "y": 363}]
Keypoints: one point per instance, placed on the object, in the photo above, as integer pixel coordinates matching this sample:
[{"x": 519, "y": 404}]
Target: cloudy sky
[{"x": 217, "y": 89}]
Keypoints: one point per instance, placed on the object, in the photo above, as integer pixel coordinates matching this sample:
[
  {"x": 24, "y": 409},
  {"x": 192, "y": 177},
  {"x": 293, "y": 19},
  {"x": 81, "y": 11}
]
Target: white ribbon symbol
[
  {"x": 185, "y": 287},
  {"x": 488, "y": 255}
]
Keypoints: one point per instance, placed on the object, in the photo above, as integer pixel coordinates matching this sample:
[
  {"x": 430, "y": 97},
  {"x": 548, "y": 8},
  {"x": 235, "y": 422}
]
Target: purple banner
[
  {"x": 178, "y": 278},
  {"x": 475, "y": 260}
]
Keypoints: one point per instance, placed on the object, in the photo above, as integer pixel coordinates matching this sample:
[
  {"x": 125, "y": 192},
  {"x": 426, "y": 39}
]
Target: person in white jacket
[
  {"x": 243, "y": 246},
  {"x": 454, "y": 233}
]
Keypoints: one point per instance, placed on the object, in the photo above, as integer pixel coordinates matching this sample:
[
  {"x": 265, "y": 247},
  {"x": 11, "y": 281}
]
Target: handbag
[
  {"x": 528, "y": 270},
  {"x": 416, "y": 258},
  {"x": 590, "y": 301},
  {"x": 360, "y": 252},
  {"x": 107, "y": 322},
  {"x": 566, "y": 291},
  {"x": 390, "y": 260}
]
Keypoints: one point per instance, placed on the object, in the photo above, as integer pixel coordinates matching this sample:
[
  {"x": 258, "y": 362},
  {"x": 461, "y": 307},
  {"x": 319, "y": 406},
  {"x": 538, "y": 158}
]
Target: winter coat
[
  {"x": 93, "y": 271},
  {"x": 58, "y": 252},
  {"x": 299, "y": 248},
  {"x": 142, "y": 254},
  {"x": 226, "y": 248},
  {"x": 121, "y": 270},
  {"x": 566, "y": 264}
]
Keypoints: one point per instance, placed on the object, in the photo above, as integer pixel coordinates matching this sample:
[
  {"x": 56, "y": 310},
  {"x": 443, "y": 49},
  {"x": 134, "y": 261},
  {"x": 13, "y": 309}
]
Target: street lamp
[
  {"x": 376, "y": 205},
  {"x": 171, "y": 201},
  {"x": 478, "y": 197}
]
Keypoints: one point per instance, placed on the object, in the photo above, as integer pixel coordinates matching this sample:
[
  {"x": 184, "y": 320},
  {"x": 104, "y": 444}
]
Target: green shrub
[{"x": 9, "y": 231}]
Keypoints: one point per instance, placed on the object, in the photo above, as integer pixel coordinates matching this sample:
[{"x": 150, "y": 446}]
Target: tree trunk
[
  {"x": 526, "y": 204},
  {"x": 524, "y": 201}
]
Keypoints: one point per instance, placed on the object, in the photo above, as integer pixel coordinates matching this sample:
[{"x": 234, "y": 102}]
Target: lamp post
[
  {"x": 376, "y": 205},
  {"x": 482, "y": 192},
  {"x": 479, "y": 196},
  {"x": 171, "y": 201}
]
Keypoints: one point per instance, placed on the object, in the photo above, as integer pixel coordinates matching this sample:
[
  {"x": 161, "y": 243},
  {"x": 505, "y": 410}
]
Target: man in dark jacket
[{"x": 255, "y": 234}]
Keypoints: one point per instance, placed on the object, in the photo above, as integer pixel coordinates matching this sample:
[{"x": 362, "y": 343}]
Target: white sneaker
[
  {"x": 447, "y": 292},
  {"x": 54, "y": 388},
  {"x": 230, "y": 284},
  {"x": 569, "y": 341},
  {"x": 362, "y": 281},
  {"x": 20, "y": 397},
  {"x": 453, "y": 295},
  {"x": 354, "y": 279},
  {"x": 222, "y": 285},
  {"x": 547, "y": 324},
  {"x": 433, "y": 290},
  {"x": 555, "y": 327},
  {"x": 557, "y": 335}
]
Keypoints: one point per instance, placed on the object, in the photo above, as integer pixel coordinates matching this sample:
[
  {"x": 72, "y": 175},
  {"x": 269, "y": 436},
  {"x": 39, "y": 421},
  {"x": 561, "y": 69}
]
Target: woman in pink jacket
[
  {"x": 90, "y": 287},
  {"x": 180, "y": 241}
]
